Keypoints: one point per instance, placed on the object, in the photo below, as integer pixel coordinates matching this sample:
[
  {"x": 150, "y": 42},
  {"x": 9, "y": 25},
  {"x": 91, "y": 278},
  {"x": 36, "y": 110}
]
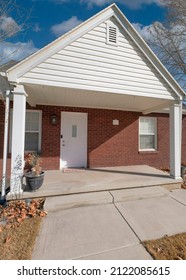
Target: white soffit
[{"x": 43, "y": 95}]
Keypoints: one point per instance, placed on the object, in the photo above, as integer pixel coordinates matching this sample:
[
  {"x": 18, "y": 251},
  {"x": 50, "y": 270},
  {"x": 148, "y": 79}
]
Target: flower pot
[
  {"x": 34, "y": 182},
  {"x": 183, "y": 170},
  {"x": 3, "y": 202}
]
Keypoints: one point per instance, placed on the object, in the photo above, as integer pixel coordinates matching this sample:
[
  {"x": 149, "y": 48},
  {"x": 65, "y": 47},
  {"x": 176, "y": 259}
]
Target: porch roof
[{"x": 57, "y": 96}]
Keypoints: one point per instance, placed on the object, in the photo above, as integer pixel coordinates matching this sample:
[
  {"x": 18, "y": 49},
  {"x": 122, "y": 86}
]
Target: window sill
[{"x": 148, "y": 152}]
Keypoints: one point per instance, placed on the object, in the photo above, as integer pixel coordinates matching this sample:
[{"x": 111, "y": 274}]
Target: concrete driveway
[{"x": 109, "y": 225}]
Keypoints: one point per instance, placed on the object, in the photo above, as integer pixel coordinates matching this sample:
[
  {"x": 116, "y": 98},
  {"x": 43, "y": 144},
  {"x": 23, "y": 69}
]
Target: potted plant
[
  {"x": 183, "y": 169},
  {"x": 34, "y": 175}
]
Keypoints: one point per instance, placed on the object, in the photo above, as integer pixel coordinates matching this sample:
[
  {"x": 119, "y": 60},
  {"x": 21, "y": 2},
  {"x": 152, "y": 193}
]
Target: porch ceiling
[{"x": 46, "y": 95}]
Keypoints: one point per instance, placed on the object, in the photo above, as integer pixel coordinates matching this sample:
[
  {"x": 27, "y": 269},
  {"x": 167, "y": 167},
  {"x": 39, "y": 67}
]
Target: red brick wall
[
  {"x": 118, "y": 145},
  {"x": 108, "y": 145}
]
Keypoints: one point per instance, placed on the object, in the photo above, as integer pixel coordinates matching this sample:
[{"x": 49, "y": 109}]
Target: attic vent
[{"x": 112, "y": 35}]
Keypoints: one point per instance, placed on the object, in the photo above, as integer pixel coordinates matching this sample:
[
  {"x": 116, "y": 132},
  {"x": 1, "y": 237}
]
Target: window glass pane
[
  {"x": 31, "y": 141},
  {"x": 35, "y": 116},
  {"x": 34, "y": 126},
  {"x": 27, "y": 122},
  {"x": 143, "y": 126},
  {"x": 74, "y": 131},
  {"x": 147, "y": 126},
  {"x": 32, "y": 121},
  {"x": 147, "y": 142}
]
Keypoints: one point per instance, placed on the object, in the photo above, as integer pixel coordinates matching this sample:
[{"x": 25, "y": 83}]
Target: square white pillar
[
  {"x": 18, "y": 140},
  {"x": 175, "y": 140}
]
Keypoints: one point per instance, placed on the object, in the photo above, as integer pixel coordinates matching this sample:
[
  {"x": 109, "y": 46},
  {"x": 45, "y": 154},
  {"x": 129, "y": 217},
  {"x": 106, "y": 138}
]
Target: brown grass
[
  {"x": 19, "y": 226},
  {"x": 18, "y": 243},
  {"x": 168, "y": 247}
]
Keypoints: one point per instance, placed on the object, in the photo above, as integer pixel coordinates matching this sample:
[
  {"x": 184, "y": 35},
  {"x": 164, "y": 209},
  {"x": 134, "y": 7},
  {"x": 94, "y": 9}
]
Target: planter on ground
[
  {"x": 183, "y": 170},
  {"x": 34, "y": 182}
]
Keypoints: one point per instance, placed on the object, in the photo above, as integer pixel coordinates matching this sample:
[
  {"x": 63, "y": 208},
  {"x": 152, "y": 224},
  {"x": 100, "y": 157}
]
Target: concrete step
[
  {"x": 106, "y": 197},
  {"x": 138, "y": 193},
  {"x": 77, "y": 200}
]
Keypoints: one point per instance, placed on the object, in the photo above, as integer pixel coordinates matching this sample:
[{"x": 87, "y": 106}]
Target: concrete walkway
[{"x": 109, "y": 225}]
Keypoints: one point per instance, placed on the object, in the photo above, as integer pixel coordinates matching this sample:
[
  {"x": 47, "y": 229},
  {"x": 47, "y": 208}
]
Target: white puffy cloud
[
  {"x": 8, "y": 25},
  {"x": 144, "y": 31},
  {"x": 65, "y": 26},
  {"x": 17, "y": 51}
]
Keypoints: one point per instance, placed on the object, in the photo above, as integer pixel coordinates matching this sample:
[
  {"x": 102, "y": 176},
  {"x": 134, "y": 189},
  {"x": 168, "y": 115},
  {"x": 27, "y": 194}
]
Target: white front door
[{"x": 73, "y": 139}]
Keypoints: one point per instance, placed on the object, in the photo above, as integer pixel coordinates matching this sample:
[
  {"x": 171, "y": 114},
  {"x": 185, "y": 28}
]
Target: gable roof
[{"x": 15, "y": 72}]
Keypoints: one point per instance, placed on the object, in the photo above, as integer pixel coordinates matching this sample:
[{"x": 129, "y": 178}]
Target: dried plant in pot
[
  {"x": 183, "y": 169},
  {"x": 34, "y": 175}
]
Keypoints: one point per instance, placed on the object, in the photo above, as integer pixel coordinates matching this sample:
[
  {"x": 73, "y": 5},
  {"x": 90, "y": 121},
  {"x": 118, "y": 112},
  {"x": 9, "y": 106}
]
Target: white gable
[{"x": 90, "y": 62}]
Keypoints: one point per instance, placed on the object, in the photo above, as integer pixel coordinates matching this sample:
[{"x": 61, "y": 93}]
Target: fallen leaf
[
  {"x": 42, "y": 214},
  {"x": 8, "y": 238},
  {"x": 19, "y": 220}
]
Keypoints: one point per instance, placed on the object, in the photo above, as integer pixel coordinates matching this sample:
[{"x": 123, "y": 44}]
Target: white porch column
[
  {"x": 175, "y": 140},
  {"x": 18, "y": 140}
]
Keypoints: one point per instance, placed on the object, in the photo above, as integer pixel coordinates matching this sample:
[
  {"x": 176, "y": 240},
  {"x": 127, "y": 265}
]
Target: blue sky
[{"x": 51, "y": 18}]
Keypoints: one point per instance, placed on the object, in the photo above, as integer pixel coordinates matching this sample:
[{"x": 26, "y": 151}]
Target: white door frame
[{"x": 86, "y": 135}]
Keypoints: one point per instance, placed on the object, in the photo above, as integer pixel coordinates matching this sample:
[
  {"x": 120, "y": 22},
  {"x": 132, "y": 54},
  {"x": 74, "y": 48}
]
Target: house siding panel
[
  {"x": 108, "y": 145},
  {"x": 90, "y": 63}
]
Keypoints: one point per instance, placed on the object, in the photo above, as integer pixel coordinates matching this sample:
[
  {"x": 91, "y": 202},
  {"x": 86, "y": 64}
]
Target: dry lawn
[
  {"x": 19, "y": 226},
  {"x": 168, "y": 247},
  {"x": 18, "y": 243}
]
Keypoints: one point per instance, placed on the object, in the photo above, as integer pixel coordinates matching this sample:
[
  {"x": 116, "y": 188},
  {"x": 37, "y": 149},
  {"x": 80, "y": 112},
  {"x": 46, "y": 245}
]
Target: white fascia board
[
  {"x": 166, "y": 111},
  {"x": 32, "y": 61},
  {"x": 3, "y": 74},
  {"x": 159, "y": 107},
  {"x": 30, "y": 81},
  {"x": 150, "y": 55}
]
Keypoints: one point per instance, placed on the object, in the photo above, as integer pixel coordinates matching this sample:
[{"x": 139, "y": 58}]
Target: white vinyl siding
[
  {"x": 147, "y": 134},
  {"x": 90, "y": 63}
]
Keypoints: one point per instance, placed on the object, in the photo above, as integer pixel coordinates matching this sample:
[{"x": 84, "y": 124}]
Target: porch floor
[{"x": 72, "y": 181}]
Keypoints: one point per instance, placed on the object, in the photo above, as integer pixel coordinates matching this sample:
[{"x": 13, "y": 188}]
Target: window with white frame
[
  {"x": 147, "y": 134},
  {"x": 32, "y": 131}
]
